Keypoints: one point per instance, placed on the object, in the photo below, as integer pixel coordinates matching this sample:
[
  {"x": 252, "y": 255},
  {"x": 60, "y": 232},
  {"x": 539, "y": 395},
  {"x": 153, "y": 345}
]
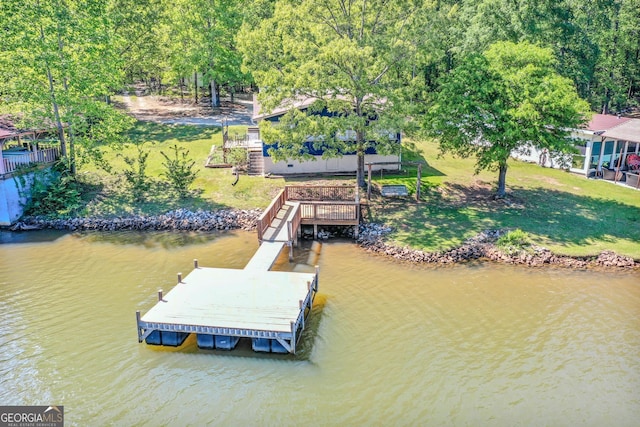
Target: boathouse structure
[{"x": 222, "y": 305}]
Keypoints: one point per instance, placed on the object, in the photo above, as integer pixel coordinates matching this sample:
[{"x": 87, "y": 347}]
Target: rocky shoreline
[
  {"x": 177, "y": 220},
  {"x": 482, "y": 246},
  {"x": 370, "y": 238}
]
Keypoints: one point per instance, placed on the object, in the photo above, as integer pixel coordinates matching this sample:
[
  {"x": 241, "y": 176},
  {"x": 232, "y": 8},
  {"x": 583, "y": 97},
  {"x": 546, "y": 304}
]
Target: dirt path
[{"x": 165, "y": 110}]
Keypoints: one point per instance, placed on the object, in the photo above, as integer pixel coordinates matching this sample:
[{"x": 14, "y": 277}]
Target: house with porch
[
  {"x": 262, "y": 163},
  {"x": 20, "y": 151},
  {"x": 604, "y": 147}
]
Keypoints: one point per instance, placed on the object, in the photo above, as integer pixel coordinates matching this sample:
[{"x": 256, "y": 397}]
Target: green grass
[{"x": 564, "y": 212}]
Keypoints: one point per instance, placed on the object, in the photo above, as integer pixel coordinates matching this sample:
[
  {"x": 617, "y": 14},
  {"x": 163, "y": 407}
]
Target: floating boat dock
[{"x": 222, "y": 305}]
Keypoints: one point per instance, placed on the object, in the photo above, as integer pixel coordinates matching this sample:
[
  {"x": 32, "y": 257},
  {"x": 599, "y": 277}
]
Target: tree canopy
[
  {"x": 507, "y": 98},
  {"x": 351, "y": 60},
  {"x": 66, "y": 63},
  {"x": 361, "y": 60}
]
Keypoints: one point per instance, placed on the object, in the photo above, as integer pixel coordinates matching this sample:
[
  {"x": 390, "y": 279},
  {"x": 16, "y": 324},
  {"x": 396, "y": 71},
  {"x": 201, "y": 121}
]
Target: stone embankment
[
  {"x": 482, "y": 246},
  {"x": 180, "y": 219},
  {"x": 371, "y": 238}
]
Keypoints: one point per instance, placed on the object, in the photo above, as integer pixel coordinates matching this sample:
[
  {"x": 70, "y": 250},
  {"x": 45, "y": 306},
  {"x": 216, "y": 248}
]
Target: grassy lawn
[
  {"x": 212, "y": 188},
  {"x": 566, "y": 213}
]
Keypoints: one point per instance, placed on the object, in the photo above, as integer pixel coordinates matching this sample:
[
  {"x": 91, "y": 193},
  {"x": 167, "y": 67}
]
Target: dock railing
[
  {"x": 317, "y": 204},
  {"x": 333, "y": 211},
  {"x": 270, "y": 213}
]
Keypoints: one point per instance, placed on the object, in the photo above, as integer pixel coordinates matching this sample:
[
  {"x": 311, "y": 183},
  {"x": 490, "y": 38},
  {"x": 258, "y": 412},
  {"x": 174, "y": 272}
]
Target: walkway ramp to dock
[
  {"x": 279, "y": 228},
  {"x": 265, "y": 256}
]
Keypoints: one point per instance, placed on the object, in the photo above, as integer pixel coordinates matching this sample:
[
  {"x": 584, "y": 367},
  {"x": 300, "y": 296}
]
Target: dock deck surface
[
  {"x": 265, "y": 256},
  {"x": 278, "y": 230},
  {"x": 229, "y": 298}
]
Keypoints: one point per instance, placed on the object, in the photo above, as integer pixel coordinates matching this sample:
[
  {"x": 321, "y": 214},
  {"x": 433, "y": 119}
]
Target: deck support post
[
  {"x": 293, "y": 337},
  {"x": 315, "y": 231},
  {"x": 317, "y": 276},
  {"x": 138, "y": 325},
  {"x": 290, "y": 251}
]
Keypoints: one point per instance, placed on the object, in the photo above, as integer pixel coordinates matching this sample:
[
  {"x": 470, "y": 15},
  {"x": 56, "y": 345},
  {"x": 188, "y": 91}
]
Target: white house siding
[{"x": 346, "y": 164}]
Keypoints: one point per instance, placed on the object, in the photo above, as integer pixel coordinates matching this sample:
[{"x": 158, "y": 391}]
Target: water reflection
[{"x": 165, "y": 240}]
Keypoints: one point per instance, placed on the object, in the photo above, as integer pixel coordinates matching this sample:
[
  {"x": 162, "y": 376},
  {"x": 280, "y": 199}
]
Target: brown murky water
[{"x": 388, "y": 344}]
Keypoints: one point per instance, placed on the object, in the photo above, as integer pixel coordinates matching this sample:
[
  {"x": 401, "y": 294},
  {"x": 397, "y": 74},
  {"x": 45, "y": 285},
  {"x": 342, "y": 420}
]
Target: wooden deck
[{"x": 314, "y": 205}]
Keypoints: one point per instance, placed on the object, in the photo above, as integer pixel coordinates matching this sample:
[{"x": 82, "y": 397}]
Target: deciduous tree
[
  {"x": 505, "y": 99},
  {"x": 351, "y": 57}
]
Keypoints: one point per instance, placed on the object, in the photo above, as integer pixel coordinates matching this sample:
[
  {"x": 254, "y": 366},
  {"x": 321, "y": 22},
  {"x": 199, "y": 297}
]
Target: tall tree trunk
[
  {"x": 54, "y": 103},
  {"x": 215, "y": 99},
  {"x": 56, "y": 114},
  {"x": 195, "y": 80},
  {"x": 360, "y": 158},
  {"x": 359, "y": 146},
  {"x": 502, "y": 181},
  {"x": 65, "y": 86}
]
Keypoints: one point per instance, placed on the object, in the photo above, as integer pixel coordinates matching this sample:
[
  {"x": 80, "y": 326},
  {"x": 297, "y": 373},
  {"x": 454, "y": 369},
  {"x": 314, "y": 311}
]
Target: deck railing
[
  {"x": 333, "y": 211},
  {"x": 316, "y": 203},
  {"x": 12, "y": 161},
  {"x": 321, "y": 193},
  {"x": 270, "y": 213}
]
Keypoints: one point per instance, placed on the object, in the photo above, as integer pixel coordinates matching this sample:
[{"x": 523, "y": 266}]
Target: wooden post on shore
[
  {"x": 179, "y": 277},
  {"x": 195, "y": 263},
  {"x": 369, "y": 182},
  {"x": 419, "y": 182},
  {"x": 159, "y": 294}
]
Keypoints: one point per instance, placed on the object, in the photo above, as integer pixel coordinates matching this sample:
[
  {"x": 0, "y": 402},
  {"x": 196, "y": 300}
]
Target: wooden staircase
[{"x": 256, "y": 162}]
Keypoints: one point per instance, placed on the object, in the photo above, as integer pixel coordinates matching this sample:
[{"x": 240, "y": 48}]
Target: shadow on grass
[
  {"x": 157, "y": 132},
  {"x": 115, "y": 200},
  {"x": 453, "y": 213}
]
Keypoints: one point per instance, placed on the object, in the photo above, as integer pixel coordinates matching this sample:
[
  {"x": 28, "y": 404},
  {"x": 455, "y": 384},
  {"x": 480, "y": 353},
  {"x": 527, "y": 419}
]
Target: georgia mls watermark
[{"x": 31, "y": 416}]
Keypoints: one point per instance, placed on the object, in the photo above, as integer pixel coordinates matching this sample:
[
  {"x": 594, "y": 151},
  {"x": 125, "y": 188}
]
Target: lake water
[{"x": 388, "y": 343}]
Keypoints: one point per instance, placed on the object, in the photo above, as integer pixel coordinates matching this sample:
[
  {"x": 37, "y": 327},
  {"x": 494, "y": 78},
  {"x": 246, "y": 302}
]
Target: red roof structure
[{"x": 602, "y": 122}]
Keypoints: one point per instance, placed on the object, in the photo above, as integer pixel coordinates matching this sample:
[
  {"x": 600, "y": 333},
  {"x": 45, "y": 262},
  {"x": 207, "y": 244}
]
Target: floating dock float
[{"x": 222, "y": 305}]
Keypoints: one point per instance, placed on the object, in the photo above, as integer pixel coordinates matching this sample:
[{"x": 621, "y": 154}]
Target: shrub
[
  {"x": 514, "y": 242},
  {"x": 179, "y": 170},
  {"x": 51, "y": 192},
  {"x": 136, "y": 175}
]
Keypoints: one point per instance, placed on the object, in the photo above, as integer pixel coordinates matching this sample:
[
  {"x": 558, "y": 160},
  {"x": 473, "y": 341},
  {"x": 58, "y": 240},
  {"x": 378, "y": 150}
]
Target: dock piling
[
  {"x": 179, "y": 277},
  {"x": 160, "y": 295},
  {"x": 195, "y": 263}
]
